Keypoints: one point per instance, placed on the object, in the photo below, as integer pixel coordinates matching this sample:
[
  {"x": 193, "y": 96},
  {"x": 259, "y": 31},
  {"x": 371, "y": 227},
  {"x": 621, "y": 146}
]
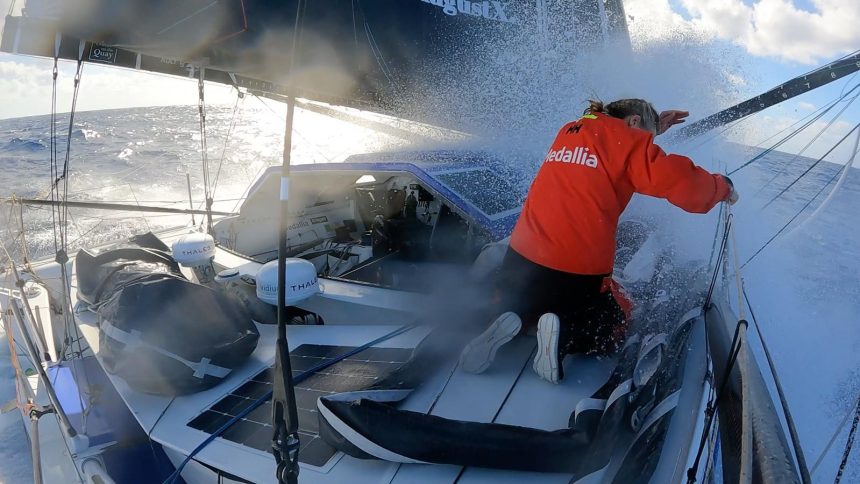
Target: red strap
[{"x": 620, "y": 295}]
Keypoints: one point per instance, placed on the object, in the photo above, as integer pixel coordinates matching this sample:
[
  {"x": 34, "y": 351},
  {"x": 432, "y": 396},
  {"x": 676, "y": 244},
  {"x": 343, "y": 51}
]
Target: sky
[
  {"x": 764, "y": 43},
  {"x": 761, "y": 42}
]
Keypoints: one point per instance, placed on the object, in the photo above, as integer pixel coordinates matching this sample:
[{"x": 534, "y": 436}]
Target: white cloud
[
  {"x": 765, "y": 28},
  {"x": 806, "y": 106},
  {"x": 25, "y": 88}
]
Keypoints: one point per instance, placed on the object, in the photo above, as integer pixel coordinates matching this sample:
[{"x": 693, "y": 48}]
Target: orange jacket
[{"x": 595, "y": 165}]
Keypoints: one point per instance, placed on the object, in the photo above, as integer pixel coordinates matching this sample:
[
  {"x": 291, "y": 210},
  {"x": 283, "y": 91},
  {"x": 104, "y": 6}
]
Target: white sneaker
[
  {"x": 547, "y": 362},
  {"x": 478, "y": 355}
]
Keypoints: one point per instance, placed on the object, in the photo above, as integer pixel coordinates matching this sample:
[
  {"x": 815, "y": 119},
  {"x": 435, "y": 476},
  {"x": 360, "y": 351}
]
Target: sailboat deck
[{"x": 508, "y": 392}]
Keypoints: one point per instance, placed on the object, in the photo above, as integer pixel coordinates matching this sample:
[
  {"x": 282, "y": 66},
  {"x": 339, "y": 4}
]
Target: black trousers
[{"x": 594, "y": 320}]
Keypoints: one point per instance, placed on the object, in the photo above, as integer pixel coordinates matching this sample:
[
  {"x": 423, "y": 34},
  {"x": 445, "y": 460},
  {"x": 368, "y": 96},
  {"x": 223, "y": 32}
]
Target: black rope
[
  {"x": 201, "y": 110},
  {"x": 720, "y": 255},
  {"x": 815, "y": 138},
  {"x": 848, "y": 444},
  {"x": 806, "y": 478},
  {"x": 711, "y": 410},
  {"x": 819, "y": 160},
  {"x": 53, "y": 153},
  {"x": 285, "y": 436},
  {"x": 793, "y": 133},
  {"x": 716, "y": 235},
  {"x": 781, "y": 230}
]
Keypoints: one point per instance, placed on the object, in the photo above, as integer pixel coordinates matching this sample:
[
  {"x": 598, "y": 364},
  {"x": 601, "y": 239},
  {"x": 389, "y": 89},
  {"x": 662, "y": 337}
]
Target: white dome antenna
[
  {"x": 301, "y": 281},
  {"x": 196, "y": 250}
]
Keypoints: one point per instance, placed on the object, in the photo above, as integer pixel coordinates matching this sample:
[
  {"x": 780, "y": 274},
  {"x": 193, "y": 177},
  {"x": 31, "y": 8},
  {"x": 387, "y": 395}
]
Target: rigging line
[
  {"x": 267, "y": 397},
  {"x": 201, "y": 109},
  {"x": 815, "y": 138},
  {"x": 189, "y": 17},
  {"x": 710, "y": 411},
  {"x": 716, "y": 236},
  {"x": 720, "y": 257},
  {"x": 803, "y": 119},
  {"x": 789, "y": 420},
  {"x": 374, "y": 47},
  {"x": 296, "y": 131},
  {"x": 354, "y": 28},
  {"x": 129, "y": 201},
  {"x": 23, "y": 233},
  {"x": 842, "y": 95},
  {"x": 738, "y": 279},
  {"x": 849, "y": 443},
  {"x": 845, "y": 171},
  {"x": 793, "y": 134},
  {"x": 131, "y": 190},
  {"x": 714, "y": 136},
  {"x": 813, "y": 165},
  {"x": 377, "y": 54},
  {"x": 70, "y": 326},
  {"x": 53, "y": 152},
  {"x": 63, "y": 229},
  {"x": 227, "y": 139},
  {"x": 808, "y": 203},
  {"x": 836, "y": 432}
]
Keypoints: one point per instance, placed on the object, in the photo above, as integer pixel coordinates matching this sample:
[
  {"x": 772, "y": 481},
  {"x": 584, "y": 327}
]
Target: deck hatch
[{"x": 358, "y": 372}]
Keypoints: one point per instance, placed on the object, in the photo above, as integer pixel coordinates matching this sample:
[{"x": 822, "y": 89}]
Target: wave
[
  {"x": 85, "y": 134},
  {"x": 22, "y": 144}
]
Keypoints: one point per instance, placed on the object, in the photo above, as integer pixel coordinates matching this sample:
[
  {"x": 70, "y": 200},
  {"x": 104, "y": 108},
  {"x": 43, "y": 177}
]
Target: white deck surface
[{"x": 509, "y": 392}]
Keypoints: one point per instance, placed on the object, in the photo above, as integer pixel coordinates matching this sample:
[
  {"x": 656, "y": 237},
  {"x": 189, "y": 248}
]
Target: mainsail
[{"x": 370, "y": 54}]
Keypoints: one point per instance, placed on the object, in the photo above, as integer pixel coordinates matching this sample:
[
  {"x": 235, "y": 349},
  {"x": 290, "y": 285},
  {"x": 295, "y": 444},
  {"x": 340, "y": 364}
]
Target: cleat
[{"x": 478, "y": 355}]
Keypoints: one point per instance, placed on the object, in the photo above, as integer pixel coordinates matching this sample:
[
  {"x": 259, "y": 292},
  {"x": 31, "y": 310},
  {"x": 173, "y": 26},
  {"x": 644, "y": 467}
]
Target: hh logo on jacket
[{"x": 577, "y": 156}]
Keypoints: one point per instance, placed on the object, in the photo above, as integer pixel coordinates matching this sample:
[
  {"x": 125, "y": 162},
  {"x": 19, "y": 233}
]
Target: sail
[{"x": 363, "y": 53}]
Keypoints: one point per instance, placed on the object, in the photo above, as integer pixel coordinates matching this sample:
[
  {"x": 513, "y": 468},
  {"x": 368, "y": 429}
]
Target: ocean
[{"x": 804, "y": 286}]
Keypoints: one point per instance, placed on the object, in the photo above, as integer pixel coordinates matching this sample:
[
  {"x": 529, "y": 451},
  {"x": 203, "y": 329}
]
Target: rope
[
  {"x": 815, "y": 138},
  {"x": 720, "y": 255},
  {"x": 744, "y": 298},
  {"x": 836, "y": 432},
  {"x": 792, "y": 219},
  {"x": 53, "y": 152},
  {"x": 240, "y": 97},
  {"x": 739, "y": 282},
  {"x": 793, "y": 134},
  {"x": 710, "y": 411},
  {"x": 792, "y": 429},
  {"x": 848, "y": 444},
  {"x": 204, "y": 148},
  {"x": 734, "y": 347},
  {"x": 819, "y": 160},
  {"x": 845, "y": 171}
]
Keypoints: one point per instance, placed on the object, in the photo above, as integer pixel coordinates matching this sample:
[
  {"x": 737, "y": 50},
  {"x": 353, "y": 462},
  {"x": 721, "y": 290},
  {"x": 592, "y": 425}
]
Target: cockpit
[{"x": 385, "y": 224}]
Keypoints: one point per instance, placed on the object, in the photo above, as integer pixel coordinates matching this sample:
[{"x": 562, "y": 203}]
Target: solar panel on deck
[{"x": 357, "y": 372}]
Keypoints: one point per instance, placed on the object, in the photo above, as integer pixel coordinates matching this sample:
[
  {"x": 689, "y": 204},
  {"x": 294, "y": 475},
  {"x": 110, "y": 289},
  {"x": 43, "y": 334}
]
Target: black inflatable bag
[
  {"x": 141, "y": 258},
  {"x": 170, "y": 320}
]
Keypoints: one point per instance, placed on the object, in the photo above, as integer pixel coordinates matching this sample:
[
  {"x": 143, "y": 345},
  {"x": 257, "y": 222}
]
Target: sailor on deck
[{"x": 559, "y": 265}]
